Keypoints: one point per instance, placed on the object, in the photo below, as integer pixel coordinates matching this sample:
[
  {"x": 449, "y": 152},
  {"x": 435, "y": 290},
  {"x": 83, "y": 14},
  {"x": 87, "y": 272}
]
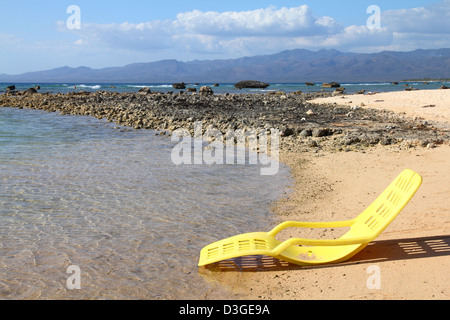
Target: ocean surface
[
  {"x": 227, "y": 87},
  {"x": 77, "y": 191}
]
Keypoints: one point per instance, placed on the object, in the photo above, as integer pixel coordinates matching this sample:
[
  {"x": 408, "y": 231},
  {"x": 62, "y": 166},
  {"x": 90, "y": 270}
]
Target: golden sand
[{"x": 412, "y": 256}]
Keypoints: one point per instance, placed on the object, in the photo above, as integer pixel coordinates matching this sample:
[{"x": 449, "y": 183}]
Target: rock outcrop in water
[
  {"x": 179, "y": 86},
  {"x": 145, "y": 90},
  {"x": 206, "y": 91},
  {"x": 251, "y": 84},
  {"x": 302, "y": 125},
  {"x": 331, "y": 85}
]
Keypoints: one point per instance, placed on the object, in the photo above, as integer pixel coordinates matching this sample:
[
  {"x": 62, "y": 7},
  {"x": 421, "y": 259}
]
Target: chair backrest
[{"x": 375, "y": 219}]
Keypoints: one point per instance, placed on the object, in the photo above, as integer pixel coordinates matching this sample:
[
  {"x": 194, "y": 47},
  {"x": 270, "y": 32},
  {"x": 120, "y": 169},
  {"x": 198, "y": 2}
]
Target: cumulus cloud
[
  {"x": 262, "y": 22},
  {"x": 229, "y": 33},
  {"x": 272, "y": 29}
]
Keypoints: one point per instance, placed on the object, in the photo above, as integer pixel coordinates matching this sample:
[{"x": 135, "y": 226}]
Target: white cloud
[
  {"x": 229, "y": 33},
  {"x": 268, "y": 30},
  {"x": 416, "y": 28},
  {"x": 434, "y": 19},
  {"x": 358, "y": 38},
  {"x": 262, "y": 22}
]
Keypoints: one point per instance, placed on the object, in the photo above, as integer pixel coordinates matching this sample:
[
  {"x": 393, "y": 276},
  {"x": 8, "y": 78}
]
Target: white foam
[{"x": 96, "y": 87}]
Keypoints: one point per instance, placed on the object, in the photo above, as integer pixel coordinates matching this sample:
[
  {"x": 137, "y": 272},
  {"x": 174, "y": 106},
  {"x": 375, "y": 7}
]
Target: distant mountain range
[{"x": 292, "y": 66}]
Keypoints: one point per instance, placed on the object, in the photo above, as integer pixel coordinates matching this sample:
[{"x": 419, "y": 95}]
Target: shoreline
[
  {"x": 303, "y": 125},
  {"x": 371, "y": 146}
]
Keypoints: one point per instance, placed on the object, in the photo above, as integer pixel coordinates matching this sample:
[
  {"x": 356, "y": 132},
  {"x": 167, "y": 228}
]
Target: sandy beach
[
  {"x": 432, "y": 105},
  {"x": 412, "y": 255}
]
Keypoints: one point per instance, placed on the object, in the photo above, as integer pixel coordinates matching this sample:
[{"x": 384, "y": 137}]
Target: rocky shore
[{"x": 303, "y": 126}]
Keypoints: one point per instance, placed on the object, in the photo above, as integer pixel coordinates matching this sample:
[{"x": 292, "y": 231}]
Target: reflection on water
[{"x": 78, "y": 191}]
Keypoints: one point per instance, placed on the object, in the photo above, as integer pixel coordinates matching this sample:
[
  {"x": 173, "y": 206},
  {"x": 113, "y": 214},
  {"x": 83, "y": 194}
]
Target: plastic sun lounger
[{"x": 363, "y": 230}]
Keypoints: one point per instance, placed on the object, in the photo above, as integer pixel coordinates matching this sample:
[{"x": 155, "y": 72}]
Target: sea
[
  {"x": 227, "y": 87},
  {"x": 90, "y": 210},
  {"x": 93, "y": 210}
]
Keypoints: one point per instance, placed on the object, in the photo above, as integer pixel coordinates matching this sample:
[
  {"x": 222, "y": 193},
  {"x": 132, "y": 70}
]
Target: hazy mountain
[{"x": 287, "y": 66}]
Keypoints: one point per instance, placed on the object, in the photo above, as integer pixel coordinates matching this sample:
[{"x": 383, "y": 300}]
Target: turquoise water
[
  {"x": 80, "y": 191},
  {"x": 227, "y": 87}
]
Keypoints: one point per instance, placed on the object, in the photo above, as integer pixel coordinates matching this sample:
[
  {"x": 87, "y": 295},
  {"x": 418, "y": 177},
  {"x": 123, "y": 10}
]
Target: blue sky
[{"x": 34, "y": 35}]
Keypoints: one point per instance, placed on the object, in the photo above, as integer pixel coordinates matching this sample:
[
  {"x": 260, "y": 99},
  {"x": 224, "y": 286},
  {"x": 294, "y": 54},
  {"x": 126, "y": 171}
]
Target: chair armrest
[
  {"x": 316, "y": 225},
  {"x": 313, "y": 242}
]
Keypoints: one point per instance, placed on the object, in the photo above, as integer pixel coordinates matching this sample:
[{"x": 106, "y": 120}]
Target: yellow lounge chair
[{"x": 363, "y": 230}]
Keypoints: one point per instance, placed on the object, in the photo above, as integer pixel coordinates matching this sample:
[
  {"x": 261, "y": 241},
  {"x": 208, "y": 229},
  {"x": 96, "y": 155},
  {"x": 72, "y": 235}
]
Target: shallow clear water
[{"x": 80, "y": 191}]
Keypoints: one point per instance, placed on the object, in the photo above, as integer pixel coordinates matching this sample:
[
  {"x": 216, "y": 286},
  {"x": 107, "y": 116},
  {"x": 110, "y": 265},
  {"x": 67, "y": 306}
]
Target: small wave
[
  {"x": 367, "y": 84},
  {"x": 133, "y": 86},
  {"x": 162, "y": 86},
  {"x": 151, "y": 86},
  {"x": 96, "y": 87},
  {"x": 262, "y": 90}
]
